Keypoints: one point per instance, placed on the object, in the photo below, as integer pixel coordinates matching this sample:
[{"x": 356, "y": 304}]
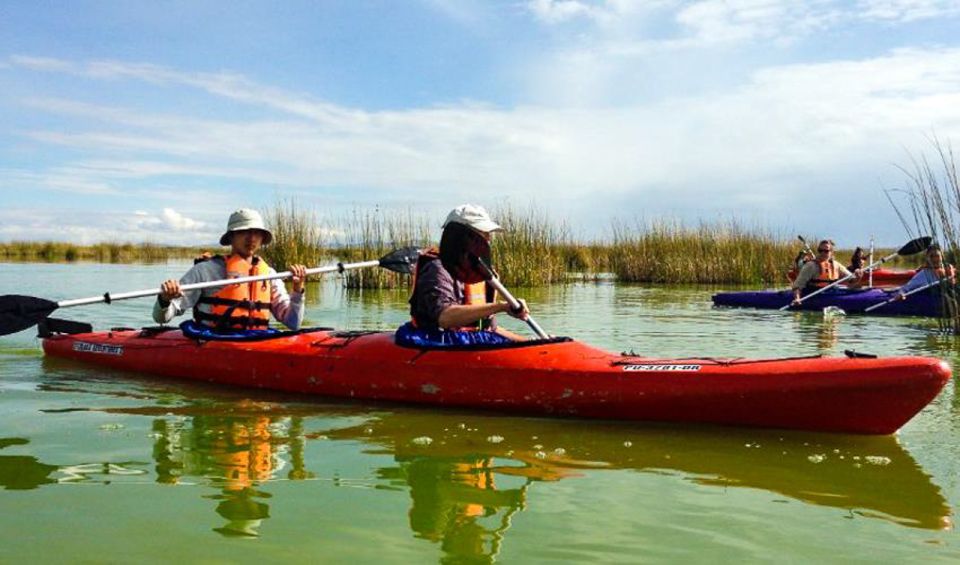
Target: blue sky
[{"x": 151, "y": 121}]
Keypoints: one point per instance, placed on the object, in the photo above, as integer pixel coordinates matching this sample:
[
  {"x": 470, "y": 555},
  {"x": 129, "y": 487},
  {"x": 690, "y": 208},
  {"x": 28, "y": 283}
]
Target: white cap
[
  {"x": 245, "y": 219},
  {"x": 472, "y": 216}
]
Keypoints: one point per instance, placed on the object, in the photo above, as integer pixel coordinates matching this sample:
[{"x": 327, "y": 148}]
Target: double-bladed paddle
[
  {"x": 911, "y": 248},
  {"x": 513, "y": 302},
  {"x": 21, "y": 312},
  {"x": 906, "y": 294}
]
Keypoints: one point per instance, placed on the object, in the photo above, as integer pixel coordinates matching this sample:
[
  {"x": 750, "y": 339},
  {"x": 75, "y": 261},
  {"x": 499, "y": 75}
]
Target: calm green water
[{"x": 99, "y": 466}]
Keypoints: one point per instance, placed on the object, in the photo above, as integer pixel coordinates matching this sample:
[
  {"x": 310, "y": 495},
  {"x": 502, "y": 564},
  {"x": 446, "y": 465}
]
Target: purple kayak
[{"x": 851, "y": 301}]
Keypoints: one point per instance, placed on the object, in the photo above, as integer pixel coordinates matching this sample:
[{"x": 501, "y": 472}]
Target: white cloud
[
  {"x": 176, "y": 221},
  {"x": 781, "y": 126},
  {"x": 92, "y": 227}
]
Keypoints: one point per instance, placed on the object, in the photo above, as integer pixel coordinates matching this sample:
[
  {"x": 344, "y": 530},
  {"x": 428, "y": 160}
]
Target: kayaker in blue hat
[
  {"x": 240, "y": 306},
  {"x": 451, "y": 301},
  {"x": 821, "y": 272}
]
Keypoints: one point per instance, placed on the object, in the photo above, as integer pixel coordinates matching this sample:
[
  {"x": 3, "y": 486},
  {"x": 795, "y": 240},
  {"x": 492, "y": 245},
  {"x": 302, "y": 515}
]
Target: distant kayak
[
  {"x": 881, "y": 277},
  {"x": 851, "y": 301}
]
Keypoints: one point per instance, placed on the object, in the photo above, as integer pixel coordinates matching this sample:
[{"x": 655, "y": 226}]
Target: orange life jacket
[
  {"x": 476, "y": 293},
  {"x": 828, "y": 274},
  {"x": 239, "y": 306}
]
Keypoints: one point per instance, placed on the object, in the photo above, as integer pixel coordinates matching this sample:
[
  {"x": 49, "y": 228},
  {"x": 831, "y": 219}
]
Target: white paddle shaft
[
  {"x": 515, "y": 304},
  {"x": 906, "y": 294},
  {"x": 869, "y": 267},
  {"x": 108, "y": 298}
]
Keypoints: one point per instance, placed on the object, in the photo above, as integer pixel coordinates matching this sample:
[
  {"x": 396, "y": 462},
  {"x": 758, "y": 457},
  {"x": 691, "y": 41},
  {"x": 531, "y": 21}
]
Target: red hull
[
  {"x": 867, "y": 396},
  {"x": 881, "y": 277}
]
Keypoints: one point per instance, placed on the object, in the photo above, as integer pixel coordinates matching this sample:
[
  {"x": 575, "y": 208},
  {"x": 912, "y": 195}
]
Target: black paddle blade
[
  {"x": 401, "y": 260},
  {"x": 915, "y": 246},
  {"x": 20, "y": 312}
]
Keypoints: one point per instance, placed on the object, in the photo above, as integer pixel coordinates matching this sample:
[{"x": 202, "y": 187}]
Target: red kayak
[
  {"x": 550, "y": 377},
  {"x": 881, "y": 277}
]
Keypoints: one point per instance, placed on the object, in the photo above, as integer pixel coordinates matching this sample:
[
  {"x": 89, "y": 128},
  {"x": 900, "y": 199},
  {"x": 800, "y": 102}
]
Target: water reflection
[
  {"x": 822, "y": 330},
  {"x": 22, "y": 472},
  {"x": 469, "y": 475},
  {"x": 235, "y": 453},
  {"x": 455, "y": 502},
  {"x": 870, "y": 476}
]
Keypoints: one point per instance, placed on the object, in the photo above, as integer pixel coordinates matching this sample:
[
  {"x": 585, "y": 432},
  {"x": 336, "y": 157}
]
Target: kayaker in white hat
[
  {"x": 450, "y": 293},
  {"x": 239, "y": 306}
]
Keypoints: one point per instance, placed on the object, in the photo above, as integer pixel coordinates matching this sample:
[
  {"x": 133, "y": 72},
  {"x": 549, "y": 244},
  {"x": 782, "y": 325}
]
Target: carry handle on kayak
[
  {"x": 513, "y": 302},
  {"x": 19, "y": 312},
  {"x": 906, "y": 294},
  {"x": 911, "y": 248}
]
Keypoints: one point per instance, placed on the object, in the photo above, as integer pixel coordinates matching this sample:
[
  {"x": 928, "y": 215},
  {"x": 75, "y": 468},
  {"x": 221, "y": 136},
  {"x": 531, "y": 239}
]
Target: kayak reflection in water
[
  {"x": 235, "y": 307},
  {"x": 237, "y": 453},
  {"x": 456, "y": 503},
  {"x": 452, "y": 304}
]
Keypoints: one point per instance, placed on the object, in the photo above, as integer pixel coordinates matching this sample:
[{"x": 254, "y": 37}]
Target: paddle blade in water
[
  {"x": 915, "y": 246},
  {"x": 401, "y": 260},
  {"x": 20, "y": 312}
]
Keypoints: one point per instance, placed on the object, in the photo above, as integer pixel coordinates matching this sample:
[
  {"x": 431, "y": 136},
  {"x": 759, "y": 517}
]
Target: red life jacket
[
  {"x": 238, "y": 306},
  {"x": 476, "y": 293}
]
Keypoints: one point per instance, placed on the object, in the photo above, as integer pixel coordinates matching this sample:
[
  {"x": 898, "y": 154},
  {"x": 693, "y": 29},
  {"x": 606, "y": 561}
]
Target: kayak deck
[{"x": 553, "y": 377}]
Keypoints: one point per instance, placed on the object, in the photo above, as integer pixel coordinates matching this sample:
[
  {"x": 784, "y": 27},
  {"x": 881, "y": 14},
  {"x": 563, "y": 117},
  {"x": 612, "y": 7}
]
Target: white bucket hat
[
  {"x": 245, "y": 219},
  {"x": 472, "y": 216}
]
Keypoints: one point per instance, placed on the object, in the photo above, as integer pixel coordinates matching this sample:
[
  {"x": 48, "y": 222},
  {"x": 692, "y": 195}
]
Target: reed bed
[
  {"x": 49, "y": 251},
  {"x": 298, "y": 238},
  {"x": 531, "y": 249},
  {"x": 720, "y": 252},
  {"x": 371, "y": 235}
]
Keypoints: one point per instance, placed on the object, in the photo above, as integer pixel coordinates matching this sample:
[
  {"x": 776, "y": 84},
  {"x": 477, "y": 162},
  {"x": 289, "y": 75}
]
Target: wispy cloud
[
  {"x": 469, "y": 148},
  {"x": 621, "y": 27},
  {"x": 779, "y": 126}
]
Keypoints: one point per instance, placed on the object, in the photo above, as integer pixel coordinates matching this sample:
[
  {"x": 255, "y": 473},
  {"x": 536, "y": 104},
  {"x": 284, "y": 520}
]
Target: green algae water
[{"x": 104, "y": 466}]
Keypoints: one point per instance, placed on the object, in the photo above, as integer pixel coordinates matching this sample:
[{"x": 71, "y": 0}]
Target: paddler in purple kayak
[
  {"x": 933, "y": 271},
  {"x": 452, "y": 304},
  {"x": 821, "y": 272}
]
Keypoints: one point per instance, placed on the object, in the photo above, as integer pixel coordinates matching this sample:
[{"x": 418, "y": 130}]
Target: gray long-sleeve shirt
[
  {"x": 435, "y": 291},
  {"x": 284, "y": 307}
]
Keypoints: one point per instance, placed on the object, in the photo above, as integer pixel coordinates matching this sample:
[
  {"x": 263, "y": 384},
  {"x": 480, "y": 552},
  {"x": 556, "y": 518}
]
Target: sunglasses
[{"x": 822, "y": 250}]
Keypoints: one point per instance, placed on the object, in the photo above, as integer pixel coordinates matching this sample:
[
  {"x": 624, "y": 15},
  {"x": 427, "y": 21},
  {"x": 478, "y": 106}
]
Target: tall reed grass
[
  {"x": 720, "y": 252},
  {"x": 298, "y": 237},
  {"x": 532, "y": 250},
  {"x": 933, "y": 208},
  {"x": 372, "y": 234}
]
